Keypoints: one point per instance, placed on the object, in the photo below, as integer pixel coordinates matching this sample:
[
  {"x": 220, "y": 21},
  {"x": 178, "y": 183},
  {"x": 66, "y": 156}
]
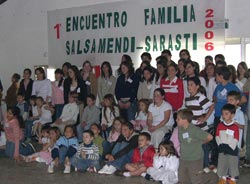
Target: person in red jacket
[
  {"x": 173, "y": 87},
  {"x": 142, "y": 157}
]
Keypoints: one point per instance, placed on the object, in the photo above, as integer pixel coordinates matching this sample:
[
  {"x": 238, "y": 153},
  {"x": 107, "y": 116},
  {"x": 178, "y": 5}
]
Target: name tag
[
  {"x": 6, "y": 125},
  {"x": 90, "y": 152},
  {"x": 109, "y": 83},
  {"x": 223, "y": 92},
  {"x": 61, "y": 88},
  {"x": 185, "y": 135},
  {"x": 78, "y": 90},
  {"x": 230, "y": 132},
  {"x": 87, "y": 83},
  {"x": 130, "y": 80}
]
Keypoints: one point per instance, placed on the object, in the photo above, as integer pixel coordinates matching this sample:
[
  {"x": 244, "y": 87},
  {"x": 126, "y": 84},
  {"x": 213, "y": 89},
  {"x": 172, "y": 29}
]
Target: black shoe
[{"x": 148, "y": 177}]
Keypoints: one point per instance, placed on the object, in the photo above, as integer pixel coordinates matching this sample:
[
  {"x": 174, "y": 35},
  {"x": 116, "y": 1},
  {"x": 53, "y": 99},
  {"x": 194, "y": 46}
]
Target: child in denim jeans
[
  {"x": 64, "y": 149},
  {"x": 87, "y": 156}
]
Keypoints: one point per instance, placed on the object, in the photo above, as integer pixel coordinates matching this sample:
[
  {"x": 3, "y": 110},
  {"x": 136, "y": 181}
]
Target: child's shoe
[
  {"x": 67, "y": 169},
  {"x": 103, "y": 170},
  {"x": 206, "y": 170},
  {"x": 126, "y": 174},
  {"x": 51, "y": 168},
  {"x": 222, "y": 181}
]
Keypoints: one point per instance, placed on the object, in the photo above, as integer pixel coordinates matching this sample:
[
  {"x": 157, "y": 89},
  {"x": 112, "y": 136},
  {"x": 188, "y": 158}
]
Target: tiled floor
[{"x": 35, "y": 173}]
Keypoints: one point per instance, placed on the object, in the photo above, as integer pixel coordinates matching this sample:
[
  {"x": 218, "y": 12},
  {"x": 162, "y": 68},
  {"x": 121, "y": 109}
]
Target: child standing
[
  {"x": 109, "y": 112},
  {"x": 165, "y": 165},
  {"x": 191, "y": 158},
  {"x": 87, "y": 156},
  {"x": 140, "y": 121},
  {"x": 69, "y": 114},
  {"x": 220, "y": 98},
  {"x": 233, "y": 98},
  {"x": 64, "y": 149},
  {"x": 91, "y": 115},
  {"x": 227, "y": 138},
  {"x": 142, "y": 157}
]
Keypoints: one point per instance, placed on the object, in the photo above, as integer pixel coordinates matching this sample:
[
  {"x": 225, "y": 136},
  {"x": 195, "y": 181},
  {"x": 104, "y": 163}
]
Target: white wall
[{"x": 23, "y": 30}]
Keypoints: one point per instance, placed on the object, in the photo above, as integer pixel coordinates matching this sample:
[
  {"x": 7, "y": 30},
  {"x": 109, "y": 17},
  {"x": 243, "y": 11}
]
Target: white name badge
[
  {"x": 6, "y": 125},
  {"x": 130, "y": 80},
  {"x": 61, "y": 88},
  {"x": 87, "y": 83},
  {"x": 90, "y": 152},
  {"x": 109, "y": 83},
  {"x": 78, "y": 90},
  {"x": 185, "y": 135},
  {"x": 230, "y": 132},
  {"x": 223, "y": 92}
]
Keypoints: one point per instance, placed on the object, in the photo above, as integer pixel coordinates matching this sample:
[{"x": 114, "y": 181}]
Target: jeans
[
  {"x": 10, "y": 149},
  {"x": 58, "y": 110},
  {"x": 119, "y": 163},
  {"x": 28, "y": 128},
  {"x": 129, "y": 114},
  {"x": 62, "y": 153},
  {"x": 106, "y": 147},
  {"x": 84, "y": 164},
  {"x": 206, "y": 149},
  {"x": 214, "y": 148}
]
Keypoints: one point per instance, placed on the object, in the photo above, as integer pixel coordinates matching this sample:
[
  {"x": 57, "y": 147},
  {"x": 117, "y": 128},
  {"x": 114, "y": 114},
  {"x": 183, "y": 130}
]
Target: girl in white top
[
  {"x": 109, "y": 112},
  {"x": 160, "y": 118},
  {"x": 42, "y": 86},
  {"x": 45, "y": 116},
  {"x": 140, "y": 121},
  {"x": 165, "y": 164}
]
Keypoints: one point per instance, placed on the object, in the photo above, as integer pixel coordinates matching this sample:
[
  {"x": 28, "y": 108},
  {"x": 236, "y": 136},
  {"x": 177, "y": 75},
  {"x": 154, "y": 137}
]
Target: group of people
[{"x": 173, "y": 123}]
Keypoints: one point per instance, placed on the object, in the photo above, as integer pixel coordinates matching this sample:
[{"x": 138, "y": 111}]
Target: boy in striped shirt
[{"x": 87, "y": 156}]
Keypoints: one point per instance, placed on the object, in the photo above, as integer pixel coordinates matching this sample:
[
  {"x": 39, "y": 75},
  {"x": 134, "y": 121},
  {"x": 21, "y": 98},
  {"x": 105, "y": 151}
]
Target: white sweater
[{"x": 70, "y": 112}]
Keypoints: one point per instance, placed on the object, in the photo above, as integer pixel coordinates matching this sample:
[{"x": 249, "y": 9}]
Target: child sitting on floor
[
  {"x": 165, "y": 165},
  {"x": 87, "y": 156},
  {"x": 142, "y": 157}
]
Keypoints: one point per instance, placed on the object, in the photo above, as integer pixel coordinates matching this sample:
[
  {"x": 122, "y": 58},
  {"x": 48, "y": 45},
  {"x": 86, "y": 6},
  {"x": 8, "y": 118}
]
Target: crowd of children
[{"x": 173, "y": 124}]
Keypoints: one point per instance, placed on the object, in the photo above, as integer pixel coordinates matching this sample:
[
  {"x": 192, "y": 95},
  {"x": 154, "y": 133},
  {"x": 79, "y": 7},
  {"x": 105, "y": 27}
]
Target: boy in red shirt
[
  {"x": 227, "y": 138},
  {"x": 142, "y": 157}
]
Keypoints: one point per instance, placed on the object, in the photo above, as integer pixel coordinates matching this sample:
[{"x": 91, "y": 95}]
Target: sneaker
[
  {"x": 67, "y": 169},
  {"x": 206, "y": 170},
  {"x": 110, "y": 170},
  {"x": 39, "y": 159},
  {"x": 127, "y": 174},
  {"x": 148, "y": 177},
  {"x": 51, "y": 168},
  {"x": 143, "y": 174},
  {"x": 222, "y": 181},
  {"x": 215, "y": 170},
  {"x": 103, "y": 170}
]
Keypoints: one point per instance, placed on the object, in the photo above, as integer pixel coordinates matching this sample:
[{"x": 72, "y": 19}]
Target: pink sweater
[
  {"x": 57, "y": 94},
  {"x": 13, "y": 133}
]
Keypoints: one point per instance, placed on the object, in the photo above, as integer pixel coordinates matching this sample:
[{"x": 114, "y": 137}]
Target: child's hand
[
  {"x": 58, "y": 121},
  {"x": 83, "y": 154},
  {"x": 104, "y": 127},
  {"x": 83, "y": 124},
  {"x": 17, "y": 158}
]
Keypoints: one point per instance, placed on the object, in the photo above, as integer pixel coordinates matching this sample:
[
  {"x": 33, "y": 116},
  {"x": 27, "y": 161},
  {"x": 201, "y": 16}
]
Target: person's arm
[
  {"x": 133, "y": 143},
  {"x": 181, "y": 94},
  {"x": 99, "y": 87},
  {"x": 140, "y": 91},
  {"x": 165, "y": 120},
  {"x": 95, "y": 154},
  {"x": 49, "y": 90},
  {"x": 149, "y": 119},
  {"x": 16, "y": 134}
]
